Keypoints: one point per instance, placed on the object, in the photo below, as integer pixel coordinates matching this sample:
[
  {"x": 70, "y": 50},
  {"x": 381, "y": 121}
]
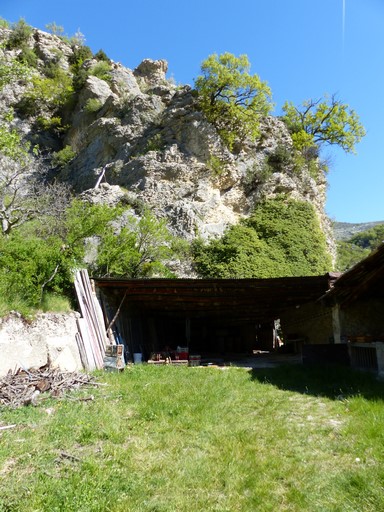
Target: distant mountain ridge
[{"x": 346, "y": 230}]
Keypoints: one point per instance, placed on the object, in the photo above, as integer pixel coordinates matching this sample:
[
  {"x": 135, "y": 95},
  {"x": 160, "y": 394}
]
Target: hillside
[
  {"x": 146, "y": 135},
  {"x": 150, "y": 171},
  {"x": 346, "y": 230}
]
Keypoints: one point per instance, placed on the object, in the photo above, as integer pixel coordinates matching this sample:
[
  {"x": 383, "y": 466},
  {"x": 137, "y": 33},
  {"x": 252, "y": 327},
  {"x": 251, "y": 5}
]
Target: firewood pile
[{"x": 23, "y": 387}]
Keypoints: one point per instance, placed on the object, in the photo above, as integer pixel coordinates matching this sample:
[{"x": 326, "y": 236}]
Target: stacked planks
[{"x": 91, "y": 338}]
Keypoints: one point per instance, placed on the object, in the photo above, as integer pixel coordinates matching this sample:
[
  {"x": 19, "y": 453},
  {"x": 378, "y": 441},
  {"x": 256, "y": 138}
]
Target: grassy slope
[{"x": 198, "y": 439}]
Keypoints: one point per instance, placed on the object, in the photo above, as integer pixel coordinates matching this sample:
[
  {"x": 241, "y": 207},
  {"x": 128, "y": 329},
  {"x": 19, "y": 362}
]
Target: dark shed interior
[{"x": 221, "y": 316}]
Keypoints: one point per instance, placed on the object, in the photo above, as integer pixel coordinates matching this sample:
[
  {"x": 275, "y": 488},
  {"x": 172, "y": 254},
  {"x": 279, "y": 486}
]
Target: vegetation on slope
[
  {"x": 281, "y": 238},
  {"x": 350, "y": 252}
]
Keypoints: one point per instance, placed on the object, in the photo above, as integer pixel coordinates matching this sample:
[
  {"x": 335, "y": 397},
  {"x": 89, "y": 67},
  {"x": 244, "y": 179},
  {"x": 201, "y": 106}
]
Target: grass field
[{"x": 175, "y": 439}]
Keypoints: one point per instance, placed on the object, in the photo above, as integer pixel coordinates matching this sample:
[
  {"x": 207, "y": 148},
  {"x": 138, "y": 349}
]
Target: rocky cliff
[{"x": 144, "y": 139}]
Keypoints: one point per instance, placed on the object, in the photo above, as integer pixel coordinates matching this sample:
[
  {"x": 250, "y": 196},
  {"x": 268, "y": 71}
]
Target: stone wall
[
  {"x": 311, "y": 322},
  {"x": 363, "y": 318}
]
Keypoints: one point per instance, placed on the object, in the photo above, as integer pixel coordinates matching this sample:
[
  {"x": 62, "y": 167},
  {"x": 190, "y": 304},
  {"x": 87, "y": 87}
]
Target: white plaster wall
[{"x": 50, "y": 338}]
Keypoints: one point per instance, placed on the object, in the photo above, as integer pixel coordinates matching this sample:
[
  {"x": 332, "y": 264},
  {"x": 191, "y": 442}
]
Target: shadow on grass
[{"x": 331, "y": 381}]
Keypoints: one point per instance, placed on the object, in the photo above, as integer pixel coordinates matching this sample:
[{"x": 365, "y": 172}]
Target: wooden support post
[{"x": 336, "y": 324}]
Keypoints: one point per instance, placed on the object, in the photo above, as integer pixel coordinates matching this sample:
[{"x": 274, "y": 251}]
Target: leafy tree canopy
[
  {"x": 240, "y": 253},
  {"x": 139, "y": 249},
  {"x": 281, "y": 238},
  {"x": 12, "y": 71},
  {"x": 348, "y": 254},
  {"x": 358, "y": 247},
  {"x": 39, "y": 256},
  {"x": 369, "y": 239},
  {"x": 231, "y": 98},
  {"x": 323, "y": 121}
]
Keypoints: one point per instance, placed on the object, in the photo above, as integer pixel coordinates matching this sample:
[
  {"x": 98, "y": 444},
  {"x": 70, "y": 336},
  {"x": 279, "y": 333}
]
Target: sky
[{"x": 304, "y": 49}]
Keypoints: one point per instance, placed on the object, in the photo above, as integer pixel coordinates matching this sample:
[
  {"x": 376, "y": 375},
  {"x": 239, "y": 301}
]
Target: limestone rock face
[
  {"x": 153, "y": 146},
  {"x": 152, "y": 72},
  {"x": 50, "y": 48}
]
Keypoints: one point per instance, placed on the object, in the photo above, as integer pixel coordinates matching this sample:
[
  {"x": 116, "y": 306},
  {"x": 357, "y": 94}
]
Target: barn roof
[{"x": 259, "y": 299}]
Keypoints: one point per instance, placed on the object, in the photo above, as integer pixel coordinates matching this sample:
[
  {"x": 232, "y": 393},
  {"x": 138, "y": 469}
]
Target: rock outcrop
[{"x": 152, "y": 145}]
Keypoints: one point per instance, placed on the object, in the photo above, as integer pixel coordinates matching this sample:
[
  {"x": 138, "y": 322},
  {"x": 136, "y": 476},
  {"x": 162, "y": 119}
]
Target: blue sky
[{"x": 302, "y": 48}]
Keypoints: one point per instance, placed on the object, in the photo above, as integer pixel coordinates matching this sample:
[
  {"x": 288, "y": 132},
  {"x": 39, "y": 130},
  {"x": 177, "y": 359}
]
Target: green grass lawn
[{"x": 200, "y": 439}]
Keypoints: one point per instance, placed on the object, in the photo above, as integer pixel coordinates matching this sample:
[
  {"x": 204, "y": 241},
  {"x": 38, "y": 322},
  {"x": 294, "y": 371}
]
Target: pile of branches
[{"x": 23, "y": 387}]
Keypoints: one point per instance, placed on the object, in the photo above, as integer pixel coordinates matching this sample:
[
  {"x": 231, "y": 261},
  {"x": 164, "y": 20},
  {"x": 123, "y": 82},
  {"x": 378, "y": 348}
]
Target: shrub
[
  {"x": 281, "y": 238},
  {"x": 101, "y": 70},
  {"x": 63, "y": 157},
  {"x": 12, "y": 72},
  {"x": 12, "y": 144},
  {"x": 79, "y": 55},
  {"x": 292, "y": 226},
  {"x": 53, "y": 69},
  {"x": 93, "y": 105},
  {"x": 102, "y": 56},
  {"x": 26, "y": 263},
  {"x": 280, "y": 158},
  {"x": 240, "y": 253},
  {"x": 38, "y": 257},
  {"x": 28, "y": 57},
  {"x": 47, "y": 94},
  {"x": 311, "y": 166},
  {"x": 216, "y": 165},
  {"x": 4, "y": 23},
  {"x": 155, "y": 143},
  {"x": 257, "y": 174},
  {"x": 19, "y": 37},
  {"x": 79, "y": 79},
  {"x": 49, "y": 123},
  {"x": 57, "y": 30}
]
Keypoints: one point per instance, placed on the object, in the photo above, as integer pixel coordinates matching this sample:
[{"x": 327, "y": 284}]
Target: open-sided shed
[
  {"x": 357, "y": 304},
  {"x": 207, "y": 315}
]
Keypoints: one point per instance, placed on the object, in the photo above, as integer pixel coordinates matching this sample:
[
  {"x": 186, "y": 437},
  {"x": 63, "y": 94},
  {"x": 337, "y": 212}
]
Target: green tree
[
  {"x": 369, "y": 239},
  {"x": 323, "y": 121},
  {"x": 358, "y": 247},
  {"x": 240, "y": 253},
  {"x": 231, "y": 98},
  {"x": 39, "y": 256},
  {"x": 11, "y": 142},
  {"x": 27, "y": 264},
  {"x": 55, "y": 29},
  {"x": 281, "y": 238},
  {"x": 139, "y": 249},
  {"x": 20, "y": 35},
  {"x": 293, "y": 227},
  {"x": 348, "y": 254},
  {"x": 47, "y": 94},
  {"x": 12, "y": 71}
]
